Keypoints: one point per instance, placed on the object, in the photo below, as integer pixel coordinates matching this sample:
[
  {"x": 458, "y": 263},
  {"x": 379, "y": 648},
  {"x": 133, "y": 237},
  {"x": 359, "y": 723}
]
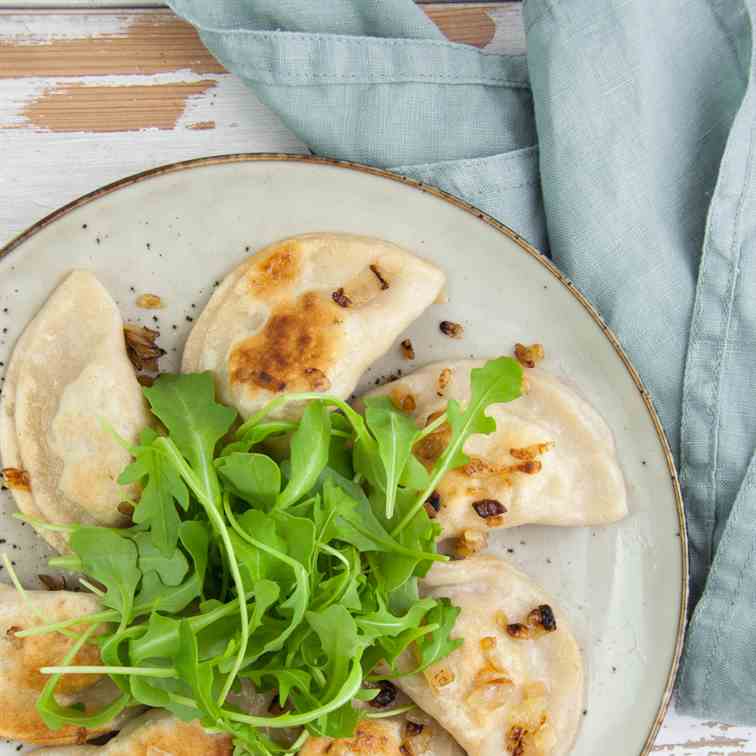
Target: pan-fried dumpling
[
  {"x": 551, "y": 459},
  {"x": 69, "y": 372},
  {"x": 515, "y": 686},
  {"x": 309, "y": 313},
  {"x": 156, "y": 732},
  {"x": 402, "y": 735},
  {"x": 21, "y": 658}
]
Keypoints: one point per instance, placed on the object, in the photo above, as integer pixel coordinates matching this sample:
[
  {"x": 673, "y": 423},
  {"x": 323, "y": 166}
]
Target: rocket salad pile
[{"x": 295, "y": 573}]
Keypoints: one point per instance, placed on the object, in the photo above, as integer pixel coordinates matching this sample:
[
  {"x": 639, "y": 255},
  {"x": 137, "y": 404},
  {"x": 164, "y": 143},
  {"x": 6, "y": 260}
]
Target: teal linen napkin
[{"x": 625, "y": 142}]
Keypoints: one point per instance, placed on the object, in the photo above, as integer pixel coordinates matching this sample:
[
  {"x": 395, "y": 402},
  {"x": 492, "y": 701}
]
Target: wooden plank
[{"x": 155, "y": 41}]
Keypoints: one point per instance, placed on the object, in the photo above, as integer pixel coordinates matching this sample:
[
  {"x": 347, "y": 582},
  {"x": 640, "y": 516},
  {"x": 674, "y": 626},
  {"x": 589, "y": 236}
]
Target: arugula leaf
[
  {"x": 414, "y": 475},
  {"x": 299, "y": 534},
  {"x": 186, "y": 405},
  {"x": 257, "y": 434},
  {"x": 309, "y": 453},
  {"x": 199, "y": 677},
  {"x": 111, "y": 560},
  {"x": 383, "y": 623},
  {"x": 354, "y": 522},
  {"x": 171, "y": 569},
  {"x": 395, "y": 434},
  {"x": 156, "y": 595},
  {"x": 339, "y": 641},
  {"x": 343, "y": 587},
  {"x": 256, "y": 478},
  {"x": 296, "y": 603},
  {"x": 340, "y": 454},
  {"x": 418, "y": 536},
  {"x": 162, "y": 489},
  {"x": 437, "y": 645},
  {"x": 284, "y": 681},
  {"x": 496, "y": 382},
  {"x": 195, "y": 538}
]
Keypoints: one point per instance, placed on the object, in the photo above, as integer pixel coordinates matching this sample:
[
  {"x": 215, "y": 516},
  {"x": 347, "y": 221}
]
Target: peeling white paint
[
  {"x": 30, "y": 29},
  {"x": 43, "y": 170},
  {"x": 509, "y": 36}
]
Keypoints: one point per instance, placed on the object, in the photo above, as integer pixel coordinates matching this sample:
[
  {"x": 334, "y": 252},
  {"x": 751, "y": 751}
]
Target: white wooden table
[{"x": 89, "y": 96}]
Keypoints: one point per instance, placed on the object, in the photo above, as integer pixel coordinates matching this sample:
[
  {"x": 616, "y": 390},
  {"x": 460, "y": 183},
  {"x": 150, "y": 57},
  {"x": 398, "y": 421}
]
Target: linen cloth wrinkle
[{"x": 622, "y": 143}]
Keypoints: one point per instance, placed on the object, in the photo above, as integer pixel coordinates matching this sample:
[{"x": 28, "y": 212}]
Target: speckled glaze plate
[{"x": 176, "y": 230}]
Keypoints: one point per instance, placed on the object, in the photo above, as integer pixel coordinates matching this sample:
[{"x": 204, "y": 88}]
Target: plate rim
[{"x": 524, "y": 246}]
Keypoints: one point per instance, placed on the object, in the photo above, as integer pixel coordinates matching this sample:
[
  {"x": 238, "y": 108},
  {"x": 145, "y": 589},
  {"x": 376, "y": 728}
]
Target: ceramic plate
[{"x": 175, "y": 231}]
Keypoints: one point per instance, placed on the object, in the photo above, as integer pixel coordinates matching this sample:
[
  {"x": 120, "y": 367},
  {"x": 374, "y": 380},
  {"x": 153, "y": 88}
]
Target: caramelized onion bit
[
  {"x": 451, "y": 329},
  {"x": 149, "y": 302},
  {"x": 141, "y": 347},
  {"x": 429, "y": 448},
  {"x": 470, "y": 542},
  {"x": 413, "y": 728},
  {"x": 518, "y": 630},
  {"x": 386, "y": 694},
  {"x": 408, "y": 351},
  {"x": 531, "y": 467},
  {"x": 17, "y": 479},
  {"x": 416, "y": 740},
  {"x": 529, "y": 356},
  {"x": 529, "y": 453},
  {"x": 539, "y": 621},
  {"x": 530, "y": 733},
  {"x": 381, "y": 280},
  {"x": 542, "y": 617},
  {"x": 441, "y": 678},
  {"x": 433, "y": 504},
  {"x": 515, "y": 740},
  {"x": 341, "y": 299},
  {"x": 126, "y": 508},
  {"x": 53, "y": 582},
  {"x": 442, "y": 383},
  {"x": 488, "y": 508}
]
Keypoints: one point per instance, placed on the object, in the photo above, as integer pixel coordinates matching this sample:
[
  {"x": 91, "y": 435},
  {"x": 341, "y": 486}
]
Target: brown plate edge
[{"x": 521, "y": 243}]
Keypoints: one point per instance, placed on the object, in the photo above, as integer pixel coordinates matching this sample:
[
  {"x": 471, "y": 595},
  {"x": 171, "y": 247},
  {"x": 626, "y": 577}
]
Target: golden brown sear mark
[
  {"x": 16, "y": 479},
  {"x": 318, "y": 380},
  {"x": 293, "y": 350},
  {"x": 276, "y": 271},
  {"x": 370, "y": 737}
]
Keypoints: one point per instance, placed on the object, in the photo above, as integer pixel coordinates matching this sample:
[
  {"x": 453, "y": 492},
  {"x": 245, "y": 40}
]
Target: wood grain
[
  {"x": 155, "y": 41},
  {"x": 79, "y": 107},
  {"x": 140, "y": 43}
]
